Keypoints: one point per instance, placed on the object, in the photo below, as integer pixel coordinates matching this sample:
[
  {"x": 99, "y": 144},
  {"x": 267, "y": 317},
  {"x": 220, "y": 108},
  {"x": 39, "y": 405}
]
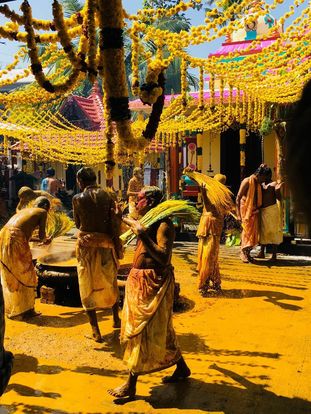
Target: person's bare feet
[
  {"x": 179, "y": 374},
  {"x": 116, "y": 323},
  {"x": 95, "y": 337},
  {"x": 244, "y": 257},
  {"x": 125, "y": 390}
]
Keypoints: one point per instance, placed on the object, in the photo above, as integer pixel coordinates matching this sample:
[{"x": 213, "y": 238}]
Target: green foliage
[
  {"x": 233, "y": 238},
  {"x": 169, "y": 208},
  {"x": 266, "y": 126},
  {"x": 71, "y": 7}
]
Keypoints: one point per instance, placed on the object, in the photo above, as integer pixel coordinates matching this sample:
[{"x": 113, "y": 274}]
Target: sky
[{"x": 42, "y": 10}]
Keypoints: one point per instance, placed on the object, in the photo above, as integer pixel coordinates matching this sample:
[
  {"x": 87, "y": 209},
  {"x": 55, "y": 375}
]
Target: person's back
[
  {"x": 18, "y": 275},
  {"x": 54, "y": 186},
  {"x": 93, "y": 206},
  {"x": 50, "y": 183},
  {"x": 27, "y": 220},
  {"x": 96, "y": 249}
]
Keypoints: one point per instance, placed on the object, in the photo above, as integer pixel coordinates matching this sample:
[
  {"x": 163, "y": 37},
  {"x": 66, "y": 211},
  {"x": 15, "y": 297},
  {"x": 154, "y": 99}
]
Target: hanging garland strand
[
  {"x": 63, "y": 34},
  {"x": 36, "y": 66},
  {"x": 201, "y": 88},
  {"x": 112, "y": 68},
  {"x": 156, "y": 112},
  {"x": 91, "y": 36}
]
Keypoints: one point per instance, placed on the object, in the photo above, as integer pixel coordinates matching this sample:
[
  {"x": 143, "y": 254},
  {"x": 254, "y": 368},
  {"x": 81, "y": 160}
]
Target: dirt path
[{"x": 249, "y": 350}]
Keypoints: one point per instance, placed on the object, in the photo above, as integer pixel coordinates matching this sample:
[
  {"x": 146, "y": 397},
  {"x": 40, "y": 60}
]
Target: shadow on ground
[
  {"x": 193, "y": 343},
  {"x": 66, "y": 319},
  {"x": 30, "y": 409},
  {"x": 26, "y": 391},
  {"x": 250, "y": 399},
  {"x": 27, "y": 363},
  {"x": 270, "y": 296},
  {"x": 183, "y": 305},
  {"x": 111, "y": 344},
  {"x": 282, "y": 262}
]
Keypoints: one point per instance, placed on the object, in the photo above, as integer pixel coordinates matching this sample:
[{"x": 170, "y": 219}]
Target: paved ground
[{"x": 249, "y": 350}]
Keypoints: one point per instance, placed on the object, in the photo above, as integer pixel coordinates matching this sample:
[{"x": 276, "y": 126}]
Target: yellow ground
[{"x": 249, "y": 351}]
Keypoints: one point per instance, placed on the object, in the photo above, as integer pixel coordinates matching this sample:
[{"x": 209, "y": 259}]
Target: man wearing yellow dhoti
[
  {"x": 18, "y": 274},
  {"x": 6, "y": 357},
  {"x": 98, "y": 249},
  {"x": 147, "y": 326},
  {"x": 248, "y": 202},
  {"x": 26, "y": 195},
  {"x": 270, "y": 228},
  {"x": 209, "y": 234}
]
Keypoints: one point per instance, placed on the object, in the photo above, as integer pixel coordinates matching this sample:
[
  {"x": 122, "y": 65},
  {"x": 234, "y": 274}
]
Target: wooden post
[{"x": 242, "y": 133}]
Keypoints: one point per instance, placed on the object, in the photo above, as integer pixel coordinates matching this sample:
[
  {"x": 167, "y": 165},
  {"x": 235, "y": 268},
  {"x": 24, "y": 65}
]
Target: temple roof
[{"x": 91, "y": 106}]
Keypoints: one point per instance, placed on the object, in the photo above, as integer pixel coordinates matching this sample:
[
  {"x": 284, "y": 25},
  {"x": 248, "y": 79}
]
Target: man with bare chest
[
  {"x": 98, "y": 249},
  {"x": 18, "y": 274},
  {"x": 270, "y": 216}
]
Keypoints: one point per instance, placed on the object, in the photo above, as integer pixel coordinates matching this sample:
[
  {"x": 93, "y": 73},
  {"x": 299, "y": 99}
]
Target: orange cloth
[
  {"x": 209, "y": 233},
  {"x": 249, "y": 237},
  {"x": 18, "y": 274},
  {"x": 97, "y": 270},
  {"x": 147, "y": 328},
  {"x": 253, "y": 199},
  {"x": 135, "y": 185},
  {"x": 249, "y": 213}
]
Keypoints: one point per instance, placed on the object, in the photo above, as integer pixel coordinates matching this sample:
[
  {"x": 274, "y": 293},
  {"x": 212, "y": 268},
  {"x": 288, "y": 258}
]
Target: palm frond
[
  {"x": 71, "y": 7},
  {"x": 163, "y": 210}
]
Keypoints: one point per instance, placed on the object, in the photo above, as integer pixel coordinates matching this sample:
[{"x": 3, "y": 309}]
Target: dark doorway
[
  {"x": 230, "y": 158},
  {"x": 253, "y": 155}
]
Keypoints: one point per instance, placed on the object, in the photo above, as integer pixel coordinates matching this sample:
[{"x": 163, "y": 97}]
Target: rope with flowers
[{"x": 274, "y": 74}]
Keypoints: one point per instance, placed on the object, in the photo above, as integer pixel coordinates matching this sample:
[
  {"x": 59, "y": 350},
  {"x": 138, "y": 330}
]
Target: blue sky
[{"x": 42, "y": 10}]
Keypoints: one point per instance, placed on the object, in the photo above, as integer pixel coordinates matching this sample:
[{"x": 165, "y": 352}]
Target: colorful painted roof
[
  {"x": 91, "y": 106},
  {"x": 230, "y": 47}
]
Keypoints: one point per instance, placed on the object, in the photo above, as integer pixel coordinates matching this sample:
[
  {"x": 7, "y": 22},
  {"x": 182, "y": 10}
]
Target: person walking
[{"x": 98, "y": 249}]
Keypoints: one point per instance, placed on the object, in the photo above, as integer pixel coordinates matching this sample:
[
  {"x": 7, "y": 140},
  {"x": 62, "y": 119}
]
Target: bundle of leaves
[
  {"x": 169, "y": 208},
  {"x": 218, "y": 194},
  {"x": 58, "y": 224}
]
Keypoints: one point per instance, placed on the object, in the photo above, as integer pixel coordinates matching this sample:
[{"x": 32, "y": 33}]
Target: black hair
[
  {"x": 42, "y": 202},
  {"x": 50, "y": 172},
  {"x": 263, "y": 169},
  {"x": 153, "y": 194},
  {"x": 86, "y": 175}
]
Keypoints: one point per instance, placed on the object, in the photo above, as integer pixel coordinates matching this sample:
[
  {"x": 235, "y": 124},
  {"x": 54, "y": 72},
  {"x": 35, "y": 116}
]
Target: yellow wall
[
  {"x": 270, "y": 151},
  {"x": 214, "y": 138},
  {"x": 60, "y": 170}
]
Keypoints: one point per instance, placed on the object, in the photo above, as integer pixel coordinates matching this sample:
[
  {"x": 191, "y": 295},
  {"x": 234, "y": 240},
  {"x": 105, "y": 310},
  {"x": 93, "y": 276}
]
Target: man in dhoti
[
  {"x": 248, "y": 202},
  {"x": 209, "y": 234},
  {"x": 98, "y": 249},
  {"x": 134, "y": 187},
  {"x": 26, "y": 195},
  {"x": 270, "y": 228},
  {"x": 147, "y": 327},
  {"x": 18, "y": 274},
  {"x": 6, "y": 357}
]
